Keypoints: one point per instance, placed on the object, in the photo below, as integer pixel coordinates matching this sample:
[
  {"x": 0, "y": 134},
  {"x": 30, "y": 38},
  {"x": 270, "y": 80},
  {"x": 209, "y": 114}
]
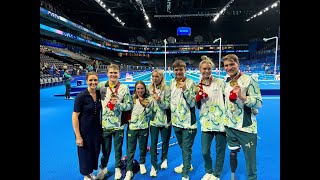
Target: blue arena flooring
[{"x": 58, "y": 152}]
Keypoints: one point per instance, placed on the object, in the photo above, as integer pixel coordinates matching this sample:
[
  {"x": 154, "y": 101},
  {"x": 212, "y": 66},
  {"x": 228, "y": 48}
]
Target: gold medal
[
  {"x": 233, "y": 82},
  {"x": 145, "y": 101},
  {"x": 196, "y": 89},
  {"x": 113, "y": 96},
  {"x": 180, "y": 80}
]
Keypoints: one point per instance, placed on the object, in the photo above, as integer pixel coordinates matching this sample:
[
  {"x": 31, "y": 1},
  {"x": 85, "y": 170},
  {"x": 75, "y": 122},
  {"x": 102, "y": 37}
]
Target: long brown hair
[{"x": 146, "y": 93}]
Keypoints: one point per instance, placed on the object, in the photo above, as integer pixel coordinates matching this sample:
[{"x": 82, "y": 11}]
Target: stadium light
[
  {"x": 219, "y": 39},
  {"x": 165, "y": 59},
  {"x": 275, "y": 57}
]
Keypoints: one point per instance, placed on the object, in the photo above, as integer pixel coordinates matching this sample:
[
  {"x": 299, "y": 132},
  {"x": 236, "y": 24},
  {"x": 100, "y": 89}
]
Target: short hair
[
  {"x": 113, "y": 66},
  {"x": 91, "y": 73},
  {"x": 206, "y": 59},
  {"x": 179, "y": 63},
  {"x": 231, "y": 57}
]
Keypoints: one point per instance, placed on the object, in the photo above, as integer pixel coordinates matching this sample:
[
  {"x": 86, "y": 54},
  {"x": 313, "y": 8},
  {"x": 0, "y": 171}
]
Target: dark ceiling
[{"x": 231, "y": 26}]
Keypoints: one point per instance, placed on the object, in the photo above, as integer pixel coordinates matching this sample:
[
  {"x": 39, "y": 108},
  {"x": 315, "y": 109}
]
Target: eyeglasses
[{"x": 93, "y": 80}]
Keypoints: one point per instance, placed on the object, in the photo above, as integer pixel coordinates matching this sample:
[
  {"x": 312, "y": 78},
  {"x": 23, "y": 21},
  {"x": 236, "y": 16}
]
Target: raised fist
[
  {"x": 110, "y": 105},
  {"x": 201, "y": 95},
  {"x": 233, "y": 96}
]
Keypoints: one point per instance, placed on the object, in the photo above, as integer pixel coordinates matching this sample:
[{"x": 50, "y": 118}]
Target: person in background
[
  {"x": 56, "y": 72},
  {"x": 138, "y": 128},
  {"x": 266, "y": 69},
  {"x": 93, "y": 63},
  {"x": 183, "y": 115},
  {"x": 86, "y": 124},
  {"x": 210, "y": 101},
  {"x": 115, "y": 98},
  {"x": 90, "y": 68},
  {"x": 67, "y": 78},
  {"x": 242, "y": 99},
  {"x": 64, "y": 67},
  {"x": 97, "y": 64},
  {"x": 160, "y": 121}
]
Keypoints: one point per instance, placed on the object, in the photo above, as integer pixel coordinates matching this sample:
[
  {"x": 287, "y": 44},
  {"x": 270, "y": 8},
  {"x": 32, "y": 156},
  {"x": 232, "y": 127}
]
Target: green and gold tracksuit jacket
[
  {"x": 239, "y": 115},
  {"x": 183, "y": 105},
  {"x": 111, "y": 120},
  {"x": 212, "y": 109},
  {"x": 140, "y": 115},
  {"x": 159, "y": 117}
]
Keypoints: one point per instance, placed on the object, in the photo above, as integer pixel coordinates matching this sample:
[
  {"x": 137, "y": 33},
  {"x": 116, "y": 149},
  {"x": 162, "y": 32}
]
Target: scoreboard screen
[{"x": 183, "y": 31}]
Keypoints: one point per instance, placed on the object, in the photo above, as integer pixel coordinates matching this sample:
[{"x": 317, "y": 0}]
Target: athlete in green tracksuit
[
  {"x": 212, "y": 115},
  {"x": 183, "y": 115},
  {"x": 115, "y": 98},
  {"x": 138, "y": 128},
  {"x": 67, "y": 78},
  {"x": 243, "y": 98},
  {"x": 160, "y": 121}
]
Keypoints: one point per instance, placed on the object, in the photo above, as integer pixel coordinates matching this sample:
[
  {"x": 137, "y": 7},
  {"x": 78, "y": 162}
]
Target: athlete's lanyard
[{"x": 116, "y": 90}]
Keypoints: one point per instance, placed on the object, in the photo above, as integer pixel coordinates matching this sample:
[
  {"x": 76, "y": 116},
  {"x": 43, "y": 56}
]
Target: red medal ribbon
[
  {"x": 117, "y": 87},
  {"x": 237, "y": 76},
  {"x": 210, "y": 80}
]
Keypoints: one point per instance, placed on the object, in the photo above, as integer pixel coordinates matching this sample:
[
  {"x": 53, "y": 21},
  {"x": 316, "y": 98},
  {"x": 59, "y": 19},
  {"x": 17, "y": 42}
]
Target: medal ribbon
[
  {"x": 202, "y": 80},
  {"x": 116, "y": 90},
  {"x": 237, "y": 76},
  {"x": 154, "y": 89}
]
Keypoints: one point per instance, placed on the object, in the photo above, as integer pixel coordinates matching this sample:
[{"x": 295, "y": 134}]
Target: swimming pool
[{"x": 267, "y": 84}]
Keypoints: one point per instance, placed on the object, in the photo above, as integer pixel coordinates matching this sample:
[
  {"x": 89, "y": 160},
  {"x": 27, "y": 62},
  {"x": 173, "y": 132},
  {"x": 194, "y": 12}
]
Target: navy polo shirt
[{"x": 90, "y": 113}]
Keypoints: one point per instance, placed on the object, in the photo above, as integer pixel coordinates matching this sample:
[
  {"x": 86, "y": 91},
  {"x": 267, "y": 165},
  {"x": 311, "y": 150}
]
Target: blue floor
[{"x": 58, "y": 152}]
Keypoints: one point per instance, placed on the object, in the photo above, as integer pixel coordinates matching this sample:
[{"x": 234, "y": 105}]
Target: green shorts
[{"x": 237, "y": 139}]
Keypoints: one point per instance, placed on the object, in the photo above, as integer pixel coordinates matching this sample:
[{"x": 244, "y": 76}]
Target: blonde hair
[
  {"x": 231, "y": 57},
  {"x": 206, "y": 59},
  {"x": 113, "y": 66},
  {"x": 161, "y": 74}
]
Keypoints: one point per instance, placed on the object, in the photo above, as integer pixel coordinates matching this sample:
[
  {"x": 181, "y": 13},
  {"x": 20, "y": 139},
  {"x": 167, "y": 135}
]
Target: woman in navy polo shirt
[{"x": 86, "y": 123}]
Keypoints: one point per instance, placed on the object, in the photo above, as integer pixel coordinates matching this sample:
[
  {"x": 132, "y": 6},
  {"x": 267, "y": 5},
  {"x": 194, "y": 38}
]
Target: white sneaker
[
  {"x": 90, "y": 177},
  {"x": 164, "y": 164},
  {"x": 153, "y": 172},
  {"x": 129, "y": 175},
  {"x": 207, "y": 176},
  {"x": 118, "y": 174},
  {"x": 178, "y": 169},
  {"x": 71, "y": 98},
  {"x": 183, "y": 178},
  {"x": 214, "y": 178},
  {"x": 143, "y": 169},
  {"x": 102, "y": 172}
]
